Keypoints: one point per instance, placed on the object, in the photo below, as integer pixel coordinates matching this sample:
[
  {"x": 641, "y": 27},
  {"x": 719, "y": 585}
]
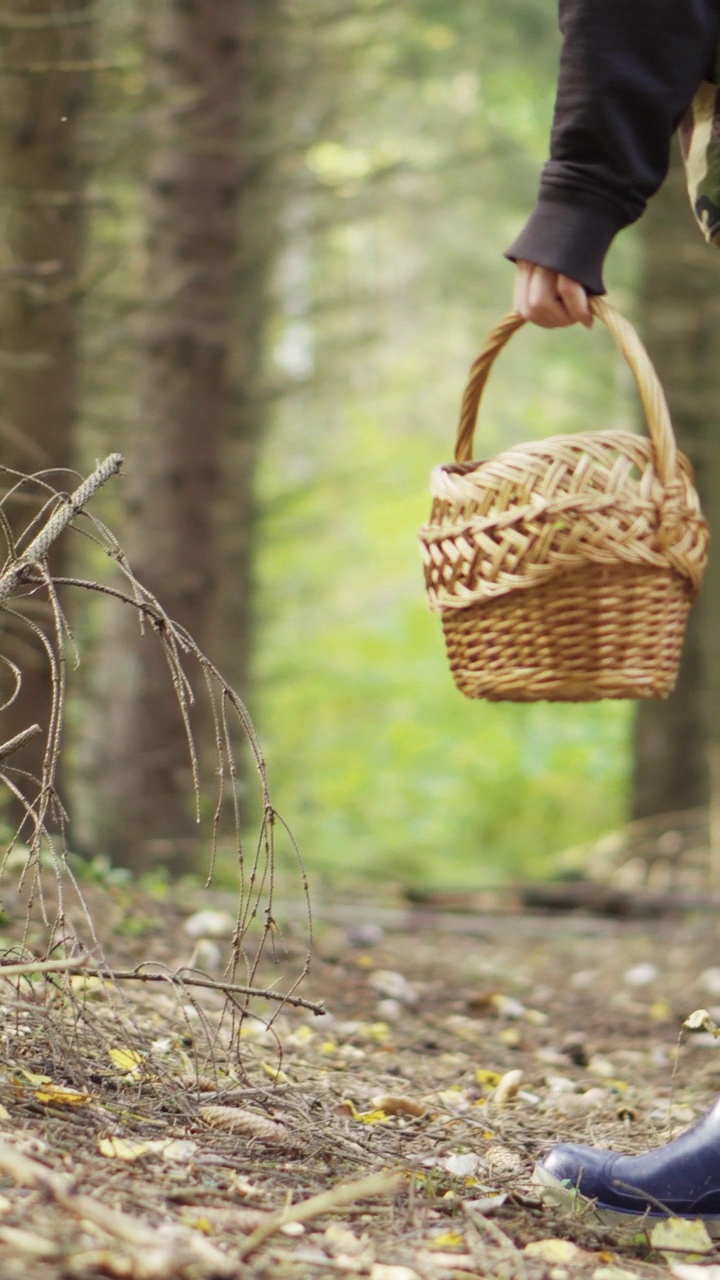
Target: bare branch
[
  {"x": 191, "y": 980},
  {"x": 41, "y": 966},
  {"x": 14, "y": 744},
  {"x": 69, "y": 508}
]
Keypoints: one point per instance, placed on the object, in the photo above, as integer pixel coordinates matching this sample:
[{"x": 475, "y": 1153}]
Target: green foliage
[
  {"x": 411, "y": 140},
  {"x": 381, "y": 766}
]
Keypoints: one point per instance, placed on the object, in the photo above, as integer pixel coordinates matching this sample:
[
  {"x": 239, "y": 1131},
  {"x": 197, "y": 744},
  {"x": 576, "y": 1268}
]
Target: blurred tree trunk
[
  {"x": 199, "y": 54},
  {"x": 262, "y": 93},
  {"x": 680, "y": 322},
  {"x": 44, "y": 79}
]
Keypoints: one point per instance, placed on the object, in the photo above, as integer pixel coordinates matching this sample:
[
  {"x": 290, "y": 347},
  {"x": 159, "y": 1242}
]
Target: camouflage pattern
[{"x": 700, "y": 145}]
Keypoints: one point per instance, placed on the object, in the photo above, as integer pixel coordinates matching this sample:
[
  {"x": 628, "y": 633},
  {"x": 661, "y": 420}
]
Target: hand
[{"x": 548, "y": 298}]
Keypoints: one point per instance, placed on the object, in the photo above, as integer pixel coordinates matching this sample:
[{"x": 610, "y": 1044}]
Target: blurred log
[{"x": 589, "y": 896}]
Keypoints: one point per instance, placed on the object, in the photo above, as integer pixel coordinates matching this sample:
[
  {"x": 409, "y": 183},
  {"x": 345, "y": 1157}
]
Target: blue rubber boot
[{"x": 681, "y": 1179}]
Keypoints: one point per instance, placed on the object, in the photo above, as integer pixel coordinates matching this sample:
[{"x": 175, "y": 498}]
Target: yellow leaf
[
  {"x": 379, "y": 1031},
  {"x": 448, "y": 1240},
  {"x": 199, "y": 1224},
  {"x": 452, "y": 1097},
  {"x": 700, "y": 1020},
  {"x": 681, "y": 1235},
  {"x": 328, "y": 1047},
  {"x": 558, "y": 1252},
  {"x": 35, "y": 1080},
  {"x": 275, "y": 1073},
  {"x": 61, "y": 1095},
  {"x": 4, "y": 1113},
  {"x": 660, "y": 1010},
  {"x": 303, "y": 1035},
  {"x": 122, "y": 1149},
  {"x": 364, "y": 1117},
  {"x": 488, "y": 1079},
  {"x": 126, "y": 1060}
]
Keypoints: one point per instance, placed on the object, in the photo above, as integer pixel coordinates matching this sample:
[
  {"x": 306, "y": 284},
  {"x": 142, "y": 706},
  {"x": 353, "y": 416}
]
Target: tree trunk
[
  {"x": 196, "y": 58},
  {"x": 263, "y": 92},
  {"x": 680, "y": 323},
  {"x": 44, "y": 80}
]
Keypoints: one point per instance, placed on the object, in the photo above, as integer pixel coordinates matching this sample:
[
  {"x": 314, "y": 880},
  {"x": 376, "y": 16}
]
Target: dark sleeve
[{"x": 628, "y": 71}]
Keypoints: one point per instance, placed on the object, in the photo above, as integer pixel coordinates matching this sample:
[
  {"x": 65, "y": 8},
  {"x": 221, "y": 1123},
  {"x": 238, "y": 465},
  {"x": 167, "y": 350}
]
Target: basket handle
[{"x": 652, "y": 395}]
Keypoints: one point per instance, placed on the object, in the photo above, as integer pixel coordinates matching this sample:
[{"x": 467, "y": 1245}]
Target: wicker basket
[{"x": 564, "y": 569}]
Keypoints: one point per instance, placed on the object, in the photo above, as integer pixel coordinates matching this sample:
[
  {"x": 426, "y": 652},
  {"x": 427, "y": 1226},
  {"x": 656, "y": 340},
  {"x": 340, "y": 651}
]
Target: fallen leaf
[
  {"x": 660, "y": 1010},
  {"x": 448, "y": 1240},
  {"x": 176, "y": 1151},
  {"x": 122, "y": 1149},
  {"x": 126, "y": 1060},
  {"x": 60, "y": 1095},
  {"x": 300, "y": 1037},
  {"x": 700, "y": 1020},
  {"x": 487, "y": 1204},
  {"x": 340, "y": 1239},
  {"x": 681, "y": 1235},
  {"x": 488, "y": 1079},
  {"x": 204, "y": 1225},
  {"x": 390, "y": 983},
  {"x": 554, "y": 1251},
  {"x": 462, "y": 1165},
  {"x": 35, "y": 1080},
  {"x": 276, "y": 1075},
  {"x": 614, "y": 1273},
  {"x": 398, "y": 1104},
  {"x": 507, "y": 1006},
  {"x": 507, "y": 1088},
  {"x": 687, "y": 1271}
]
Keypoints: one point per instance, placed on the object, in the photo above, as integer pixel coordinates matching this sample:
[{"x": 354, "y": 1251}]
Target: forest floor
[{"x": 383, "y": 1139}]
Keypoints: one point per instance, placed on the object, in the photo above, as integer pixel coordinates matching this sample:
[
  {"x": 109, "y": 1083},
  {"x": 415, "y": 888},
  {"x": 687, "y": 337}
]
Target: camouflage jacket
[{"x": 700, "y": 144}]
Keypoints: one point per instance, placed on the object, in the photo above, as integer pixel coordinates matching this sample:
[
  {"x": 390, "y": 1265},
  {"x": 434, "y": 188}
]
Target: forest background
[{"x": 254, "y": 246}]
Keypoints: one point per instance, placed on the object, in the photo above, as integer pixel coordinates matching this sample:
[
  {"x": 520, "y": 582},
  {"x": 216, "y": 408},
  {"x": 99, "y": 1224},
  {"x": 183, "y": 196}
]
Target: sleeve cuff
[{"x": 570, "y": 236}]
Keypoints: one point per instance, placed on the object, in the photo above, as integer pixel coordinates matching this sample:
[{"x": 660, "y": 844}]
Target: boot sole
[{"x": 558, "y": 1194}]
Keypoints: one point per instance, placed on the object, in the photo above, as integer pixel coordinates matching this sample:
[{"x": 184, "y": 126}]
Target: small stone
[
  {"x": 393, "y": 985},
  {"x": 365, "y": 935},
  {"x": 210, "y": 924},
  {"x": 389, "y": 1010},
  {"x": 709, "y": 980},
  {"x": 641, "y": 975}
]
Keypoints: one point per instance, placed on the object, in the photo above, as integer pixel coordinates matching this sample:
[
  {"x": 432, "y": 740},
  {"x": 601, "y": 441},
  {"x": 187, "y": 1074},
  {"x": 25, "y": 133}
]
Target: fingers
[{"x": 548, "y": 298}]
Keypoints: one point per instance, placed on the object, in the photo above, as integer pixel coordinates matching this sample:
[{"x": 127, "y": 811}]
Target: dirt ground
[{"x": 149, "y": 1130}]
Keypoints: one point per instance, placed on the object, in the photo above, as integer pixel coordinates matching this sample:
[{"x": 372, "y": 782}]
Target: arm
[{"x": 628, "y": 71}]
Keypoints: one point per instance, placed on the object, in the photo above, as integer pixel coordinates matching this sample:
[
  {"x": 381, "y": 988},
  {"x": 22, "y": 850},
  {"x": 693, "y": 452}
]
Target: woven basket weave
[{"x": 564, "y": 569}]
